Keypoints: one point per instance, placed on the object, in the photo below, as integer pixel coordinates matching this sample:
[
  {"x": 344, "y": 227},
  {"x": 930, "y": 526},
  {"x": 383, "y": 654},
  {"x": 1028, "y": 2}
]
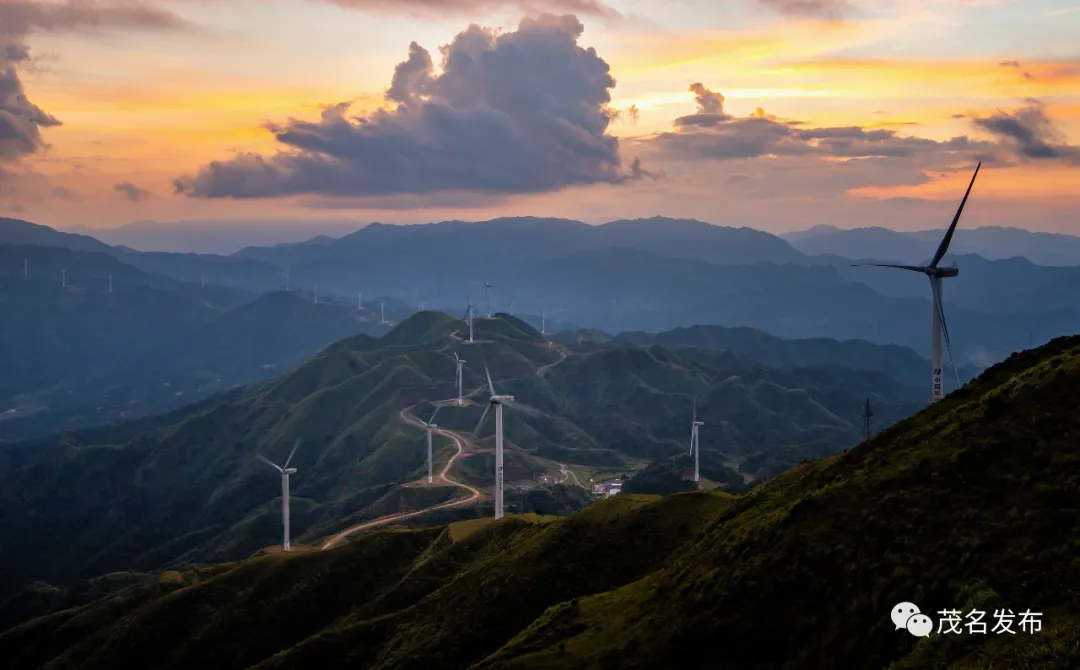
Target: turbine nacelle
[
  {"x": 498, "y": 399},
  {"x": 288, "y": 471}
]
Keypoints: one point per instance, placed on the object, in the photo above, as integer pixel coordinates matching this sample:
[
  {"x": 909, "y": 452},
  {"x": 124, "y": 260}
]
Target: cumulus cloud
[
  {"x": 425, "y": 8},
  {"x": 711, "y": 133},
  {"x": 21, "y": 120},
  {"x": 524, "y": 111},
  {"x": 1029, "y": 133},
  {"x": 131, "y": 191}
]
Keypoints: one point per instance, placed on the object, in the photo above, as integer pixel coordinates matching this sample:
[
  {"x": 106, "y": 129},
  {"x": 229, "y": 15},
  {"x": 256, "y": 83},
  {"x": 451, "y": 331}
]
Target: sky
[{"x": 773, "y": 114}]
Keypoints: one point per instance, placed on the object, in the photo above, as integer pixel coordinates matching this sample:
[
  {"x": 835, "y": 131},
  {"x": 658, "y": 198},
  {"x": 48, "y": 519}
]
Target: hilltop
[
  {"x": 185, "y": 487},
  {"x": 970, "y": 504}
]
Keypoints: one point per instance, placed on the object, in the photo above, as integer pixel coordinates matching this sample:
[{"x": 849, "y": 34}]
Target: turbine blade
[
  {"x": 913, "y": 268},
  {"x": 266, "y": 460},
  {"x": 944, "y": 246},
  {"x": 695, "y": 408},
  {"x": 526, "y": 409},
  {"x": 287, "y": 460},
  {"x": 491, "y": 387},
  {"x": 945, "y": 329},
  {"x": 479, "y": 424},
  {"x": 433, "y": 415},
  {"x": 456, "y": 357}
]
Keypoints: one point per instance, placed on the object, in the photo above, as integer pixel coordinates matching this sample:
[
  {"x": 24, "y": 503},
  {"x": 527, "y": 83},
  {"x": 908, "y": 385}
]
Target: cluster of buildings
[{"x": 607, "y": 488}]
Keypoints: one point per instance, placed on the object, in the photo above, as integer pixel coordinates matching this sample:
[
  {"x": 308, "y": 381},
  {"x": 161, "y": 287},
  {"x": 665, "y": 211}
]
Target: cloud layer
[
  {"x": 524, "y": 111},
  {"x": 710, "y": 133},
  {"x": 425, "y": 8}
]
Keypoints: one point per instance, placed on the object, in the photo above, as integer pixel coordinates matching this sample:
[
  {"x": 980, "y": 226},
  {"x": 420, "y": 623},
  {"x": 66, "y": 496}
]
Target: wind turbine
[
  {"x": 315, "y": 293},
  {"x": 359, "y": 301},
  {"x": 26, "y": 267},
  {"x": 288, "y": 280},
  {"x": 695, "y": 443},
  {"x": 460, "y": 363},
  {"x": 936, "y": 274},
  {"x": 202, "y": 279},
  {"x": 543, "y": 321},
  {"x": 63, "y": 278},
  {"x": 429, "y": 426},
  {"x": 285, "y": 471},
  {"x": 510, "y": 308},
  {"x": 496, "y": 400},
  {"x": 110, "y": 282},
  {"x": 382, "y": 312},
  {"x": 487, "y": 289},
  {"x": 470, "y": 312}
]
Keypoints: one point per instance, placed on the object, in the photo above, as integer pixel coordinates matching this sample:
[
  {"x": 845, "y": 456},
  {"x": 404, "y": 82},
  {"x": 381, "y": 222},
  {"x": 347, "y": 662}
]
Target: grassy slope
[{"x": 970, "y": 503}]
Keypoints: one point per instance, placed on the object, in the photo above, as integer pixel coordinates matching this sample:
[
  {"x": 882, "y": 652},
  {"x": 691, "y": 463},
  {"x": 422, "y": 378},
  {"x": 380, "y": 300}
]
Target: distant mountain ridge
[{"x": 990, "y": 242}]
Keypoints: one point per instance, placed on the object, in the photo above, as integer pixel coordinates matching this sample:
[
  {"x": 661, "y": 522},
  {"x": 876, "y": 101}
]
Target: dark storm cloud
[
  {"x": 426, "y": 8},
  {"x": 20, "y": 119},
  {"x": 524, "y": 111},
  {"x": 1030, "y": 133},
  {"x": 131, "y": 191},
  {"x": 712, "y": 134}
]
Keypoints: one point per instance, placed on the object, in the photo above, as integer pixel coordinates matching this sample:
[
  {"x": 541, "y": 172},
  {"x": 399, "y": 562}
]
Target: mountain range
[
  {"x": 186, "y": 487},
  {"x": 968, "y": 505},
  {"x": 648, "y": 274},
  {"x": 990, "y": 242}
]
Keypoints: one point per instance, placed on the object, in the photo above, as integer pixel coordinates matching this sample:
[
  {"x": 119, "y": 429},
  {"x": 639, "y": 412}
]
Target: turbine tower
[
  {"x": 288, "y": 280},
  {"x": 110, "y": 282},
  {"x": 382, "y": 312},
  {"x": 429, "y": 426},
  {"x": 285, "y": 471},
  {"x": 202, "y": 279},
  {"x": 939, "y": 327},
  {"x": 63, "y": 278},
  {"x": 315, "y": 293},
  {"x": 359, "y": 302},
  {"x": 460, "y": 363},
  {"x": 26, "y": 267},
  {"x": 543, "y": 321},
  {"x": 498, "y": 401},
  {"x": 487, "y": 289},
  {"x": 695, "y": 443}
]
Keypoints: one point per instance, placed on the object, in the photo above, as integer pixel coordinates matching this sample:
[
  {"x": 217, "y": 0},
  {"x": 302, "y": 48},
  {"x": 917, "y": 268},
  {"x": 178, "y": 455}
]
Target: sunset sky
[{"x": 868, "y": 112}]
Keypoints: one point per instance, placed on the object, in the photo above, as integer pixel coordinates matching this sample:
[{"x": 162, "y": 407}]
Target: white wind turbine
[
  {"x": 470, "y": 312},
  {"x": 382, "y": 312},
  {"x": 543, "y": 321},
  {"x": 429, "y": 426},
  {"x": 285, "y": 471},
  {"x": 460, "y": 363},
  {"x": 63, "y": 278},
  {"x": 496, "y": 400},
  {"x": 695, "y": 443},
  {"x": 487, "y": 289},
  {"x": 110, "y": 282},
  {"x": 936, "y": 274}
]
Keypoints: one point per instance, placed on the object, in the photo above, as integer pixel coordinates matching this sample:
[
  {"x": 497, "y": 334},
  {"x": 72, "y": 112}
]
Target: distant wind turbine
[
  {"x": 288, "y": 280},
  {"x": 460, "y": 363},
  {"x": 382, "y": 312},
  {"x": 429, "y": 426},
  {"x": 470, "y": 312},
  {"x": 110, "y": 282},
  {"x": 359, "y": 301},
  {"x": 202, "y": 278},
  {"x": 285, "y": 471},
  {"x": 63, "y": 278},
  {"x": 26, "y": 267},
  {"x": 315, "y": 293},
  {"x": 498, "y": 401},
  {"x": 543, "y": 321},
  {"x": 487, "y": 289},
  {"x": 510, "y": 308},
  {"x": 936, "y": 274},
  {"x": 695, "y": 443}
]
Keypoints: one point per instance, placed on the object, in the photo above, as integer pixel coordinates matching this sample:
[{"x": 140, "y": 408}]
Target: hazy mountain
[
  {"x": 991, "y": 242},
  {"x": 654, "y": 275},
  {"x": 215, "y": 236},
  {"x": 187, "y": 487},
  {"x": 78, "y": 355},
  {"x": 965, "y": 506}
]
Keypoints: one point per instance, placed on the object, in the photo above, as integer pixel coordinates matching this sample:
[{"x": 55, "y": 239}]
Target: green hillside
[
  {"x": 187, "y": 488},
  {"x": 971, "y": 504}
]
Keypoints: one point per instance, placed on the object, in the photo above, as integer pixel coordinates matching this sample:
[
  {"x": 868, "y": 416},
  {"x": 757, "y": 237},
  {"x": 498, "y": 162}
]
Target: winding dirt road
[{"x": 474, "y": 494}]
